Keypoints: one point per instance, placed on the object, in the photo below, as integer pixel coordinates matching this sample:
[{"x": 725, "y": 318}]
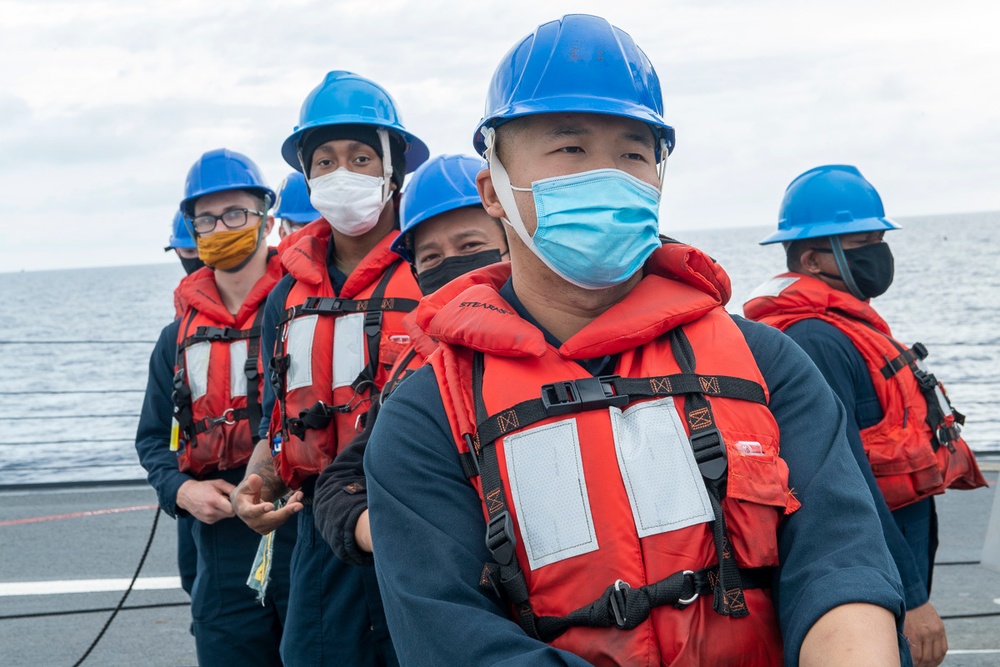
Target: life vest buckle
[
  {"x": 568, "y": 396},
  {"x": 683, "y": 602},
  {"x": 500, "y": 538},
  {"x": 618, "y": 598},
  {"x": 373, "y": 323},
  {"x": 710, "y": 453}
]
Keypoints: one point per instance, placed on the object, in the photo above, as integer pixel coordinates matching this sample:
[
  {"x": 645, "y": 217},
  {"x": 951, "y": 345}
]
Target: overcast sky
[{"x": 105, "y": 105}]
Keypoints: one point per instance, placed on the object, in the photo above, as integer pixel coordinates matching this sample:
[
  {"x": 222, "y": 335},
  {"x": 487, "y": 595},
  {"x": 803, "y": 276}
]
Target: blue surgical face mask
[{"x": 595, "y": 229}]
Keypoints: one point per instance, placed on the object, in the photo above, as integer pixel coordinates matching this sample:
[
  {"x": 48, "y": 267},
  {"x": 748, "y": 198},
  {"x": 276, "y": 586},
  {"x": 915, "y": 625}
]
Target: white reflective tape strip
[
  {"x": 772, "y": 287},
  {"x": 196, "y": 362},
  {"x": 237, "y": 372},
  {"x": 348, "y": 348},
  {"x": 299, "y": 347},
  {"x": 549, "y": 493},
  {"x": 661, "y": 477}
]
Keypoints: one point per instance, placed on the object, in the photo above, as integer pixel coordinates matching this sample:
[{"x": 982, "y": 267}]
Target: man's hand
[
  {"x": 363, "y": 533},
  {"x": 207, "y": 501},
  {"x": 925, "y": 630},
  {"x": 259, "y": 514}
]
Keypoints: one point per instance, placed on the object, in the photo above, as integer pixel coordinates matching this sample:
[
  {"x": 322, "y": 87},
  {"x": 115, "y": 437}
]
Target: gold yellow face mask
[{"x": 227, "y": 249}]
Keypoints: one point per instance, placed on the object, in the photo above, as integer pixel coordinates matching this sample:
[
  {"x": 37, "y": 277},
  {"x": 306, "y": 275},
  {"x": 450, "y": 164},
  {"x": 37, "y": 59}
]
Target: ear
[
  {"x": 809, "y": 262},
  {"x": 484, "y": 183},
  {"x": 268, "y": 225}
]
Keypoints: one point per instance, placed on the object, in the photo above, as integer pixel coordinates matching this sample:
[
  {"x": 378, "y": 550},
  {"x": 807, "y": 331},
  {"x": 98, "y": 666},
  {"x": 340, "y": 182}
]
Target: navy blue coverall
[
  {"x": 230, "y": 626},
  {"x": 335, "y": 614}
]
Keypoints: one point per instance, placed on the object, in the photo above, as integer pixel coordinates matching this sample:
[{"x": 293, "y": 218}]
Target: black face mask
[
  {"x": 867, "y": 271},
  {"x": 191, "y": 264},
  {"x": 450, "y": 268}
]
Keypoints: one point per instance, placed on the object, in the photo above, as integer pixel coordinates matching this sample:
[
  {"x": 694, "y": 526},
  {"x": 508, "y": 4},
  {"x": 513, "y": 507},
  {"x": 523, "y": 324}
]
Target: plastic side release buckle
[
  {"x": 373, "y": 322},
  {"x": 560, "y": 398},
  {"x": 500, "y": 538},
  {"x": 710, "y": 453}
]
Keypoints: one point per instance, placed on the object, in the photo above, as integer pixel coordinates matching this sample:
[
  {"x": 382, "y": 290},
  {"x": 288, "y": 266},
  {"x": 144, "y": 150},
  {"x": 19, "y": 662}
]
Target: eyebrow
[
  {"x": 453, "y": 238},
  {"x": 644, "y": 138},
  {"x": 354, "y": 145},
  {"x": 565, "y": 131}
]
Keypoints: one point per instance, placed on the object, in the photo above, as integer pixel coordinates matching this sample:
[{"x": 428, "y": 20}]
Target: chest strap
[
  {"x": 182, "y": 392},
  {"x": 319, "y": 415},
  {"x": 943, "y": 419},
  {"x": 505, "y": 575}
]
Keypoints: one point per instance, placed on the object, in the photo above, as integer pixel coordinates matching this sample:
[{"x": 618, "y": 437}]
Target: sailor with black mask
[
  {"x": 864, "y": 263},
  {"x": 445, "y": 233},
  {"x": 902, "y": 429},
  {"x": 444, "y": 230}
]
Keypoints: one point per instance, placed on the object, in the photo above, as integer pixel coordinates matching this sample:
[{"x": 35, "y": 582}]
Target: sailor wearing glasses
[{"x": 202, "y": 409}]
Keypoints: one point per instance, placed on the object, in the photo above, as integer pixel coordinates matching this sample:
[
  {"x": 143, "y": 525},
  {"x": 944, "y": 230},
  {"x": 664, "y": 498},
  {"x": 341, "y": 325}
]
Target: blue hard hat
[
  {"x": 581, "y": 64},
  {"x": 440, "y": 185},
  {"x": 345, "y": 98},
  {"x": 180, "y": 236},
  {"x": 293, "y": 200},
  {"x": 829, "y": 201},
  {"x": 220, "y": 170}
]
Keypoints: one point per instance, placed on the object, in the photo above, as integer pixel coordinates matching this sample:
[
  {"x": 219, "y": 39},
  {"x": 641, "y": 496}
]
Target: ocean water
[{"x": 75, "y": 344}]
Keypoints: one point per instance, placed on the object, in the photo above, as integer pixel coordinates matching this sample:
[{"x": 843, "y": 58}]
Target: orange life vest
[
  {"x": 218, "y": 375},
  {"x": 333, "y": 352},
  {"x": 632, "y": 517},
  {"x": 916, "y": 451}
]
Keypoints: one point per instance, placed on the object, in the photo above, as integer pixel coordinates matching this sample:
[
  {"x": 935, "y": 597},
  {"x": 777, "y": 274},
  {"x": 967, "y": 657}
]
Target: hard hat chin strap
[
  {"x": 845, "y": 269},
  {"x": 503, "y": 188}
]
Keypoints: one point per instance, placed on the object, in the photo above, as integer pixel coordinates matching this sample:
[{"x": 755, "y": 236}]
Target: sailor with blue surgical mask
[{"x": 599, "y": 464}]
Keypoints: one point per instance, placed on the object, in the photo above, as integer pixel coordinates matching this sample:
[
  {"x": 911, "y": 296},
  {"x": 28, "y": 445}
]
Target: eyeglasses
[{"x": 233, "y": 219}]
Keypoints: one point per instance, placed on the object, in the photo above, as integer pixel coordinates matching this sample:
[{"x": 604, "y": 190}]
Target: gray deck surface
[{"x": 109, "y": 546}]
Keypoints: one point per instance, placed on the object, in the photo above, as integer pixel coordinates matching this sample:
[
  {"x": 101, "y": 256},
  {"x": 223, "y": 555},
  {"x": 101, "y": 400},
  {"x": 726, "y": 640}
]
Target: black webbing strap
[
  {"x": 942, "y": 433},
  {"x": 500, "y": 538},
  {"x": 211, "y": 334},
  {"x": 250, "y": 370},
  {"x": 710, "y": 454},
  {"x": 329, "y": 305},
  {"x": 182, "y": 392},
  {"x": 903, "y": 360},
  {"x": 624, "y": 607},
  {"x": 401, "y": 373},
  {"x": 373, "y": 330},
  {"x": 230, "y": 416},
  {"x": 570, "y": 396}
]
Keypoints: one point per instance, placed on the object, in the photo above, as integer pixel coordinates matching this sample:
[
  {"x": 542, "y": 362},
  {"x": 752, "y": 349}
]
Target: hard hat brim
[{"x": 831, "y": 229}]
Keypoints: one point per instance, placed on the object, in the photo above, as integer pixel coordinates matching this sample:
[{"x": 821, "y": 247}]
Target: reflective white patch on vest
[
  {"x": 237, "y": 373},
  {"x": 348, "y": 348},
  {"x": 299, "y": 346},
  {"x": 773, "y": 287},
  {"x": 662, "y": 479},
  {"x": 549, "y": 491},
  {"x": 196, "y": 362}
]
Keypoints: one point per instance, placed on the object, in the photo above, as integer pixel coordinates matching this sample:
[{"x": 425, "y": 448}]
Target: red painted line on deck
[{"x": 74, "y": 515}]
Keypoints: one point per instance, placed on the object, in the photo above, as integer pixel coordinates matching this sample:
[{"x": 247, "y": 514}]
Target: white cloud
[{"x": 106, "y": 104}]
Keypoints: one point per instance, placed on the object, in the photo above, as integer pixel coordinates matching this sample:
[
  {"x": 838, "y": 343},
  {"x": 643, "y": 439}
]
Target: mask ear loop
[
  {"x": 845, "y": 269},
  {"x": 503, "y": 188},
  {"x": 383, "y": 138},
  {"x": 661, "y": 169}
]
